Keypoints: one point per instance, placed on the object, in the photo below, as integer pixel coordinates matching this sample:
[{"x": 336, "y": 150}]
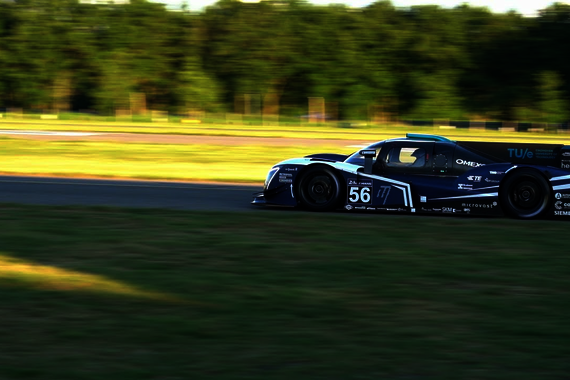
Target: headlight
[{"x": 270, "y": 176}]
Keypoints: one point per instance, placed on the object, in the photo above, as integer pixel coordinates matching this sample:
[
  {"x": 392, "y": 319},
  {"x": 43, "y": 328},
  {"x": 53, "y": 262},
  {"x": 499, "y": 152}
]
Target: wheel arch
[
  {"x": 514, "y": 171},
  {"x": 311, "y": 166}
]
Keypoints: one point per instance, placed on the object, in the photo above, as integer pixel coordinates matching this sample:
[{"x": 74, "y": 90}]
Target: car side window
[{"x": 401, "y": 157}]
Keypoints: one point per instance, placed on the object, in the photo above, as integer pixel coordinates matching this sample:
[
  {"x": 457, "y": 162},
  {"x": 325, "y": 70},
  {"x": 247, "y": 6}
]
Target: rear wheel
[
  {"x": 319, "y": 189},
  {"x": 525, "y": 194}
]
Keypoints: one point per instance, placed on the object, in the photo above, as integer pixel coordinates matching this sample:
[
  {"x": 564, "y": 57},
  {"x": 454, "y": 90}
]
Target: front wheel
[
  {"x": 319, "y": 189},
  {"x": 525, "y": 194}
]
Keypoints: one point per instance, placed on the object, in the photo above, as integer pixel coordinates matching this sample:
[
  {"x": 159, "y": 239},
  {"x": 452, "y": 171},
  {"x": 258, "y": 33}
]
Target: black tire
[
  {"x": 525, "y": 194},
  {"x": 319, "y": 189}
]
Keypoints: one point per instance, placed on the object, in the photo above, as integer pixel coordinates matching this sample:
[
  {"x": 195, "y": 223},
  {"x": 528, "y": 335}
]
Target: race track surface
[{"x": 126, "y": 193}]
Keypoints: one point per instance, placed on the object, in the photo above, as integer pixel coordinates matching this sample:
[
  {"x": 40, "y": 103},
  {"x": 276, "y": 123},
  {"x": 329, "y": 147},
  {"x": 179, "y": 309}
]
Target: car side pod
[{"x": 369, "y": 155}]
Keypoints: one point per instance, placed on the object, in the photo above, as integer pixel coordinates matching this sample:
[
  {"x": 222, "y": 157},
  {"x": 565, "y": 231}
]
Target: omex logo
[{"x": 460, "y": 161}]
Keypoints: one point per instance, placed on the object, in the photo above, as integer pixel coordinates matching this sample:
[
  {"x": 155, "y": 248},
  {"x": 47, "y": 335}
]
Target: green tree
[
  {"x": 553, "y": 105},
  {"x": 198, "y": 89}
]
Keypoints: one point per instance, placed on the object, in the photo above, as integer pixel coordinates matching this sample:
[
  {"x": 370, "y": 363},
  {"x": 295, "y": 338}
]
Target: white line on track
[{"x": 47, "y": 133}]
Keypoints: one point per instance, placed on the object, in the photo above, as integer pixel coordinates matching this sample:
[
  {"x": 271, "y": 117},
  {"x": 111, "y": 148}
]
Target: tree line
[{"x": 421, "y": 62}]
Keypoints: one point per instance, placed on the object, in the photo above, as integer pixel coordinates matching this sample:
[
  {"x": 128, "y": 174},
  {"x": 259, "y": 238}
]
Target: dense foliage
[{"x": 420, "y": 62}]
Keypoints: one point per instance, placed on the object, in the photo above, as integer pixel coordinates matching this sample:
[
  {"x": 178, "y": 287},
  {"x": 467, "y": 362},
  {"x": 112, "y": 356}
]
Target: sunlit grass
[
  {"x": 234, "y": 163},
  {"x": 373, "y": 132},
  {"x": 45, "y": 277},
  {"x": 101, "y": 167},
  {"x": 248, "y": 163}
]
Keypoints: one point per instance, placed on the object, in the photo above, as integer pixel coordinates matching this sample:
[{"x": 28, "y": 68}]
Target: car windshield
[{"x": 356, "y": 159}]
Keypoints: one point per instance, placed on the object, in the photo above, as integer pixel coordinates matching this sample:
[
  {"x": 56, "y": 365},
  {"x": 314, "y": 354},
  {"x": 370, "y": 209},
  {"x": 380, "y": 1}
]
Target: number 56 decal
[{"x": 359, "y": 192}]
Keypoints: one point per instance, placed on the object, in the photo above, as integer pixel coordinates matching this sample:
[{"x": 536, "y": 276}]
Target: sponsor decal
[
  {"x": 562, "y": 205},
  {"x": 437, "y": 209},
  {"x": 467, "y": 210},
  {"x": 493, "y": 172},
  {"x": 562, "y": 213},
  {"x": 520, "y": 153},
  {"x": 479, "y": 205},
  {"x": 448, "y": 209},
  {"x": 473, "y": 164},
  {"x": 359, "y": 191},
  {"x": 371, "y": 208},
  {"x": 423, "y": 199},
  {"x": 562, "y": 196},
  {"x": 547, "y": 154},
  {"x": 426, "y": 209},
  {"x": 565, "y": 164},
  {"x": 383, "y": 193},
  {"x": 354, "y": 182},
  {"x": 523, "y": 154},
  {"x": 474, "y": 178},
  {"x": 492, "y": 180},
  {"x": 465, "y": 186},
  {"x": 348, "y": 207},
  {"x": 285, "y": 175},
  {"x": 360, "y": 208},
  {"x": 285, "y": 180},
  {"x": 368, "y": 152},
  {"x": 566, "y": 154},
  {"x": 290, "y": 169}
]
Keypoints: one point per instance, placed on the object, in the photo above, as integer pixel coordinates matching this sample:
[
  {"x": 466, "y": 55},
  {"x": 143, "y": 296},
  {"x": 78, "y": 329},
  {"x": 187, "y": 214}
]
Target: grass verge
[
  {"x": 307, "y": 131},
  {"x": 152, "y": 294},
  {"x": 241, "y": 163},
  {"x": 198, "y": 162}
]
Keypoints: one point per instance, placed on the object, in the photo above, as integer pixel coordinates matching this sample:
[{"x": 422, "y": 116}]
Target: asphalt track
[
  {"x": 126, "y": 193},
  {"x": 38, "y": 190}
]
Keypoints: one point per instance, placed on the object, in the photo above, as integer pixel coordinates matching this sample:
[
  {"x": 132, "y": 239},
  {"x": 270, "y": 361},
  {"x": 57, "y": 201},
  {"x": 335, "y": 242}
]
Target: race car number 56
[{"x": 358, "y": 194}]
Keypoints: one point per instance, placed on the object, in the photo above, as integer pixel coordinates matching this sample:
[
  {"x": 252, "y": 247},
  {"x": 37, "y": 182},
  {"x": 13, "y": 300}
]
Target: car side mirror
[{"x": 369, "y": 155}]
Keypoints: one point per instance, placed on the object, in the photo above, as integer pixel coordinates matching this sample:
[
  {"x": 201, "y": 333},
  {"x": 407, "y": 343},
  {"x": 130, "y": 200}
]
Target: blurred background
[{"x": 284, "y": 60}]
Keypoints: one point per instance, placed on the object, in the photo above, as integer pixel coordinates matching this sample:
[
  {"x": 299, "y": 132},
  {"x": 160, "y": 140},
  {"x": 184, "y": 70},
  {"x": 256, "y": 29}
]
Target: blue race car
[{"x": 428, "y": 174}]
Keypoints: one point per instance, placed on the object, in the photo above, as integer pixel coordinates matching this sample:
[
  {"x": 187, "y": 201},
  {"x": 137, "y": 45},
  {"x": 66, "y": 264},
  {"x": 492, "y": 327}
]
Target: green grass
[
  {"x": 373, "y": 132},
  {"x": 95, "y": 293},
  {"x": 240, "y": 163}
]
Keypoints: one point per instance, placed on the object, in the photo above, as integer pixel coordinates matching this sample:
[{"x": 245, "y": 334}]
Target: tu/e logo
[{"x": 520, "y": 153}]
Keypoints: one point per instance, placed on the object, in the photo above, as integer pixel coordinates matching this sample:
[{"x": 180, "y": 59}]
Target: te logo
[{"x": 520, "y": 153}]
